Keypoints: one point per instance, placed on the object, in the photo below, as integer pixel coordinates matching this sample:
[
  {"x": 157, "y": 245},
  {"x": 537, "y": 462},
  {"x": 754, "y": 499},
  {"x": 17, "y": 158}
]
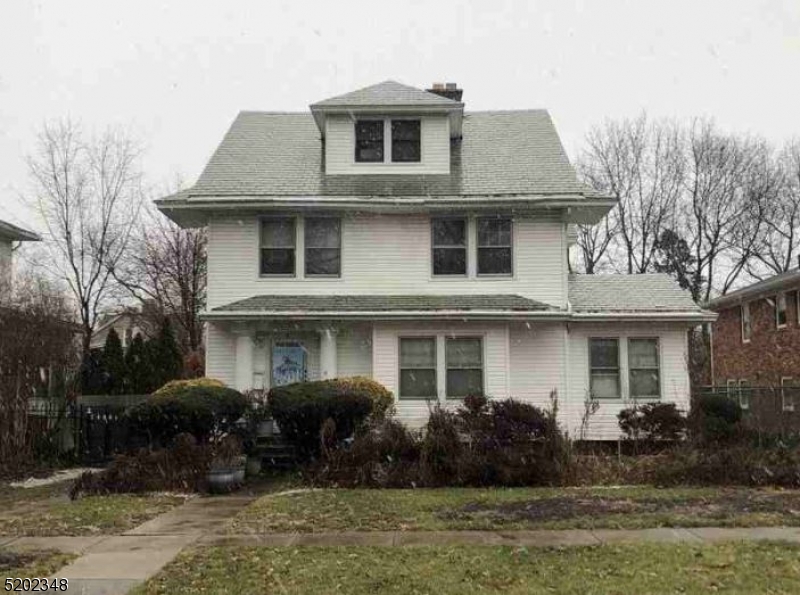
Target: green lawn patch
[
  {"x": 516, "y": 508},
  {"x": 735, "y": 569},
  {"x": 32, "y": 564},
  {"x": 47, "y": 510}
]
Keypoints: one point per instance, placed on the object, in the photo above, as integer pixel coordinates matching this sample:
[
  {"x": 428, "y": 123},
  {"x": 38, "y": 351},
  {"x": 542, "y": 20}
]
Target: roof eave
[
  {"x": 645, "y": 316},
  {"x": 755, "y": 291},
  {"x": 14, "y": 233},
  {"x": 213, "y": 316}
]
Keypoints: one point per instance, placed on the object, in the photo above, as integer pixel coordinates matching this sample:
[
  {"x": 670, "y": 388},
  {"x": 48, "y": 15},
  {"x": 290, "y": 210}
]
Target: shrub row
[{"x": 481, "y": 443}]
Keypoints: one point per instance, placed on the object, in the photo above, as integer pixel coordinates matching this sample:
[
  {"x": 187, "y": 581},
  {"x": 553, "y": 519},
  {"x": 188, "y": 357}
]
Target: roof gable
[{"x": 387, "y": 93}]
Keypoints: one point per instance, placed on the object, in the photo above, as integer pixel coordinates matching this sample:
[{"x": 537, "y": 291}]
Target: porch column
[
  {"x": 327, "y": 353},
  {"x": 244, "y": 358}
]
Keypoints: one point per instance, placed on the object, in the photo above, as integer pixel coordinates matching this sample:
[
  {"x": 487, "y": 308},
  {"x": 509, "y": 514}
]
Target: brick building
[{"x": 755, "y": 348}]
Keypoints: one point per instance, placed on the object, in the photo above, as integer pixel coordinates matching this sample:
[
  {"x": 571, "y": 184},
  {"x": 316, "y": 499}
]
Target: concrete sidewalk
[
  {"x": 533, "y": 538},
  {"x": 112, "y": 565}
]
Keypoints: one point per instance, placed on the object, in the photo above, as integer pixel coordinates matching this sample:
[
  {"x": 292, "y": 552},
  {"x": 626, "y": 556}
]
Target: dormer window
[
  {"x": 406, "y": 141},
  {"x": 369, "y": 141},
  {"x": 401, "y": 140}
]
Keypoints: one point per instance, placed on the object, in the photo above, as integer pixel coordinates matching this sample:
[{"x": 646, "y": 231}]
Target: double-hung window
[
  {"x": 643, "y": 369},
  {"x": 744, "y": 394},
  {"x": 323, "y": 250},
  {"x": 788, "y": 392},
  {"x": 449, "y": 238},
  {"x": 418, "y": 368},
  {"x": 780, "y": 310},
  {"x": 494, "y": 246},
  {"x": 604, "y": 368},
  {"x": 278, "y": 246},
  {"x": 464, "y": 361},
  {"x": 746, "y": 328},
  {"x": 369, "y": 141},
  {"x": 406, "y": 145}
]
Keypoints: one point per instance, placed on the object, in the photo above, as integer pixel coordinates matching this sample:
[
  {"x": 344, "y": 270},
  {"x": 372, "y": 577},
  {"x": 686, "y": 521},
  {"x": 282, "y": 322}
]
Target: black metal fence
[{"x": 88, "y": 434}]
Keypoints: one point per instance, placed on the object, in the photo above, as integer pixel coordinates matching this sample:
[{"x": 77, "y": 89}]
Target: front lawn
[
  {"x": 47, "y": 510},
  {"x": 516, "y": 508},
  {"x": 743, "y": 569},
  {"x": 32, "y": 564}
]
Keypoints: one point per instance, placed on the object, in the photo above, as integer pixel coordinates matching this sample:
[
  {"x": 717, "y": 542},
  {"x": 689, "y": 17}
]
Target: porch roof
[{"x": 376, "y": 305}]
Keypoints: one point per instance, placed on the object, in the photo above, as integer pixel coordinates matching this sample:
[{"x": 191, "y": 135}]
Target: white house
[
  {"x": 10, "y": 233},
  {"x": 391, "y": 234}
]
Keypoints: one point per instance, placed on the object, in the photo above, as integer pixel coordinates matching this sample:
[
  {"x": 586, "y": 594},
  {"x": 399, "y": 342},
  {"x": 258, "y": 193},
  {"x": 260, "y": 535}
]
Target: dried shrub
[
  {"x": 181, "y": 467},
  {"x": 715, "y": 418},
  {"x": 652, "y": 423}
]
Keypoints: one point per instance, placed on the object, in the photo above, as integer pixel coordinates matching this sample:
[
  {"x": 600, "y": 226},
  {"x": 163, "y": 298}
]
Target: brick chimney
[{"x": 449, "y": 90}]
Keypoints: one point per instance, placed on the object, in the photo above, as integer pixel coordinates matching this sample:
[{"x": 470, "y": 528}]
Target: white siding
[
  {"x": 537, "y": 362},
  {"x": 340, "y": 149},
  {"x": 385, "y": 360},
  {"x": 389, "y": 254},
  {"x": 354, "y": 351},
  {"x": 603, "y": 425},
  {"x": 220, "y": 354},
  {"x": 5, "y": 265}
]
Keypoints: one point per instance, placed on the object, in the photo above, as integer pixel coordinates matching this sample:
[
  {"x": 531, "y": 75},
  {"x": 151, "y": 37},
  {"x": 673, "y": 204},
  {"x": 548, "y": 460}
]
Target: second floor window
[
  {"x": 369, "y": 141},
  {"x": 494, "y": 246},
  {"x": 406, "y": 145},
  {"x": 323, "y": 251},
  {"x": 278, "y": 246},
  {"x": 449, "y": 246},
  {"x": 780, "y": 310}
]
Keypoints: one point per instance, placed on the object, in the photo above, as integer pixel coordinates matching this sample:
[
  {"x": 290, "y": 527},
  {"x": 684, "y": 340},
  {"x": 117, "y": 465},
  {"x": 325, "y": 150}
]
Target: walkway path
[{"x": 111, "y": 565}]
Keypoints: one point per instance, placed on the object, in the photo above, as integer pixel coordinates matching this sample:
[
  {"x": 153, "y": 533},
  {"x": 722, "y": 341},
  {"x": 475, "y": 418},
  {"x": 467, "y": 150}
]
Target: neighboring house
[
  {"x": 9, "y": 234},
  {"x": 391, "y": 234},
  {"x": 128, "y": 324},
  {"x": 755, "y": 345}
]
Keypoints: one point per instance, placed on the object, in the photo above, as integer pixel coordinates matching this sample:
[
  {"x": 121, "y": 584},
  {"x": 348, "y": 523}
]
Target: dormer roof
[{"x": 389, "y": 97}]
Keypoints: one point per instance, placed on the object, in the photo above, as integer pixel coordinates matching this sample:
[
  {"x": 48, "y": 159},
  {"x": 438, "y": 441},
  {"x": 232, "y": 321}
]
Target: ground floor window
[
  {"x": 418, "y": 368},
  {"x": 744, "y": 394},
  {"x": 788, "y": 389},
  {"x": 644, "y": 369},
  {"x": 604, "y": 368},
  {"x": 464, "y": 361}
]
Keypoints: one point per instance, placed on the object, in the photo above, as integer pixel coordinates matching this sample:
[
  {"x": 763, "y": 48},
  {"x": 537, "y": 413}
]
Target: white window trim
[
  {"x": 731, "y": 388},
  {"x": 472, "y": 252},
  {"x": 745, "y": 307},
  {"x": 436, "y": 358},
  {"x": 467, "y": 248},
  {"x": 620, "y": 371},
  {"x": 387, "y": 142},
  {"x": 777, "y": 309},
  {"x": 297, "y": 246},
  {"x": 648, "y": 398},
  {"x": 483, "y": 363},
  {"x": 300, "y": 249},
  {"x": 510, "y": 274},
  {"x": 745, "y": 405},
  {"x": 791, "y": 406}
]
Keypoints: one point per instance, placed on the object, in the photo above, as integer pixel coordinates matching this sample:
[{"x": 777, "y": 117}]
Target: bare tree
[
  {"x": 89, "y": 194},
  {"x": 779, "y": 244},
  {"x": 641, "y": 163},
  {"x": 166, "y": 265},
  {"x": 728, "y": 182}
]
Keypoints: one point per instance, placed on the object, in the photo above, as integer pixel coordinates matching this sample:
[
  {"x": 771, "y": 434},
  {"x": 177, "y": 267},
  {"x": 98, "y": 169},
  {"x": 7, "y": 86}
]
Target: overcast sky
[{"x": 176, "y": 73}]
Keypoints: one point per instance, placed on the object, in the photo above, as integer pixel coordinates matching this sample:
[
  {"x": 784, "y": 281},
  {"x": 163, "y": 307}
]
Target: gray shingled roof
[
  {"x": 502, "y": 153},
  {"x": 16, "y": 233},
  {"x": 383, "y": 303},
  {"x": 629, "y": 293},
  {"x": 389, "y": 93},
  {"x": 787, "y": 280}
]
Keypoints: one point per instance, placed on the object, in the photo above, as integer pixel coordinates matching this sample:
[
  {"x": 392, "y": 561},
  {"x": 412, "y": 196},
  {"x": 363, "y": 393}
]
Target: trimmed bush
[
  {"x": 201, "y": 407},
  {"x": 715, "y": 418},
  {"x": 653, "y": 422},
  {"x": 302, "y": 408}
]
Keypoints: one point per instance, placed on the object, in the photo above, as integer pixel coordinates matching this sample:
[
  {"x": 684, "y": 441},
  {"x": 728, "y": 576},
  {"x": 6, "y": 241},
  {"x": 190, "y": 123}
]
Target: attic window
[
  {"x": 369, "y": 141},
  {"x": 406, "y": 141}
]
